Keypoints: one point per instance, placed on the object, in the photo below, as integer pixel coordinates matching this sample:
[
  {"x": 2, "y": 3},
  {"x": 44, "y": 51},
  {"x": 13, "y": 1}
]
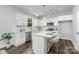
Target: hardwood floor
[
  {"x": 25, "y": 48},
  {"x": 62, "y": 47}
]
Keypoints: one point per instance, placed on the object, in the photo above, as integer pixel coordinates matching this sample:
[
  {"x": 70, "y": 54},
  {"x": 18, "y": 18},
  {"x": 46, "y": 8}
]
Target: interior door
[{"x": 65, "y": 29}]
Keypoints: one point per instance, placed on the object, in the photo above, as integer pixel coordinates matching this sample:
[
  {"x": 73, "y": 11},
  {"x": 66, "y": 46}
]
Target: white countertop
[{"x": 47, "y": 34}]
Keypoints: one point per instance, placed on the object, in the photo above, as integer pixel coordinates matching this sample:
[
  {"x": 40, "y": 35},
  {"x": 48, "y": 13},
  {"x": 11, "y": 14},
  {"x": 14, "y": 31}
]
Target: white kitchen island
[{"x": 39, "y": 41}]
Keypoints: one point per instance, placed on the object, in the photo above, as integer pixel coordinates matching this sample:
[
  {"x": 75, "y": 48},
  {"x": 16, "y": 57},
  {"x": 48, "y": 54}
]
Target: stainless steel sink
[{"x": 49, "y": 34}]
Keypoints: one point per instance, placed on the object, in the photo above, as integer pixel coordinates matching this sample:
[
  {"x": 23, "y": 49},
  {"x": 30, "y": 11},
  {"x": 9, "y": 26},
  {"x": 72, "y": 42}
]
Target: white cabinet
[
  {"x": 65, "y": 17},
  {"x": 21, "y": 19},
  {"x": 18, "y": 20},
  {"x": 55, "y": 20},
  {"x": 43, "y": 22},
  {"x": 39, "y": 44},
  {"x": 56, "y": 23},
  {"x": 39, "y": 22},
  {"x": 68, "y": 17},
  {"x": 36, "y": 22},
  {"x": 50, "y": 20},
  {"x": 19, "y": 39}
]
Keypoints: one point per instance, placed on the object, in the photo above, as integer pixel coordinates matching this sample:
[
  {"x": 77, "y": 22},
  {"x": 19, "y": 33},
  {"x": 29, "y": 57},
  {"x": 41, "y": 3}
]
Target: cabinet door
[
  {"x": 20, "y": 18},
  {"x": 55, "y": 23},
  {"x": 64, "y": 18},
  {"x": 36, "y": 22},
  {"x": 43, "y": 22},
  {"x": 19, "y": 39}
]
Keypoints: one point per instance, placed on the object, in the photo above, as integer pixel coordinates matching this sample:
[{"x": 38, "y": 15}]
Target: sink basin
[{"x": 49, "y": 33}]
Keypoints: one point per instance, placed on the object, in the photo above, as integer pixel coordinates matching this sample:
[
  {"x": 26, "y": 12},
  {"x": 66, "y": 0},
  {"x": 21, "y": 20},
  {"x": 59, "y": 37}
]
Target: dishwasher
[{"x": 28, "y": 36}]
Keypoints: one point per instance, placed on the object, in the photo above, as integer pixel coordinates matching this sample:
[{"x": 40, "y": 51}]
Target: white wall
[
  {"x": 21, "y": 19},
  {"x": 76, "y": 27},
  {"x": 65, "y": 29},
  {"x": 8, "y": 18}
]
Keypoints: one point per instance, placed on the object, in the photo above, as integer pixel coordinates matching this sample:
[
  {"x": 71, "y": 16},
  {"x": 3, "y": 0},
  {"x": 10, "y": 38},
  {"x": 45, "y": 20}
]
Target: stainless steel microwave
[{"x": 50, "y": 24}]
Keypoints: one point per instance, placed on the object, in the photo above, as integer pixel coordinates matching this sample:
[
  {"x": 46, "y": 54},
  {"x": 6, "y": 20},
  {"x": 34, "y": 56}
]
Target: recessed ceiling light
[
  {"x": 60, "y": 9},
  {"x": 36, "y": 15},
  {"x": 24, "y": 17},
  {"x": 43, "y": 17},
  {"x": 31, "y": 8},
  {"x": 50, "y": 9}
]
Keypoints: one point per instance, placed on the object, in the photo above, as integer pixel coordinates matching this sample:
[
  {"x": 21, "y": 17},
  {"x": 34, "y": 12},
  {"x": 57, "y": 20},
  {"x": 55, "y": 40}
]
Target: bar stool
[{"x": 55, "y": 41}]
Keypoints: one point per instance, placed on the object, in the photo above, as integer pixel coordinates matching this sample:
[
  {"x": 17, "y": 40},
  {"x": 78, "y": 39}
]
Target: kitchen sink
[{"x": 49, "y": 33}]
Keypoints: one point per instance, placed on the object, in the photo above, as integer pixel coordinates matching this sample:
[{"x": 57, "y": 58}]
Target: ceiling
[{"x": 46, "y": 10}]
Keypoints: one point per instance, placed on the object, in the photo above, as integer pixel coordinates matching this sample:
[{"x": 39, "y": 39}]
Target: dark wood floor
[
  {"x": 62, "y": 47},
  {"x": 20, "y": 49}
]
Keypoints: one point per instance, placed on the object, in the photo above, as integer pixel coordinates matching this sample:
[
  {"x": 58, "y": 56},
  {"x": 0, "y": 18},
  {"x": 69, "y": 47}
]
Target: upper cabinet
[
  {"x": 43, "y": 22},
  {"x": 65, "y": 17},
  {"x": 40, "y": 22},
  {"x": 21, "y": 19},
  {"x": 35, "y": 22},
  {"x": 55, "y": 21}
]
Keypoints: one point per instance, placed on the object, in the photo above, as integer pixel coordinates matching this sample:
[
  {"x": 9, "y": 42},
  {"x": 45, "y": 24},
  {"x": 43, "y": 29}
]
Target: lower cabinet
[
  {"x": 19, "y": 39},
  {"x": 40, "y": 44}
]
